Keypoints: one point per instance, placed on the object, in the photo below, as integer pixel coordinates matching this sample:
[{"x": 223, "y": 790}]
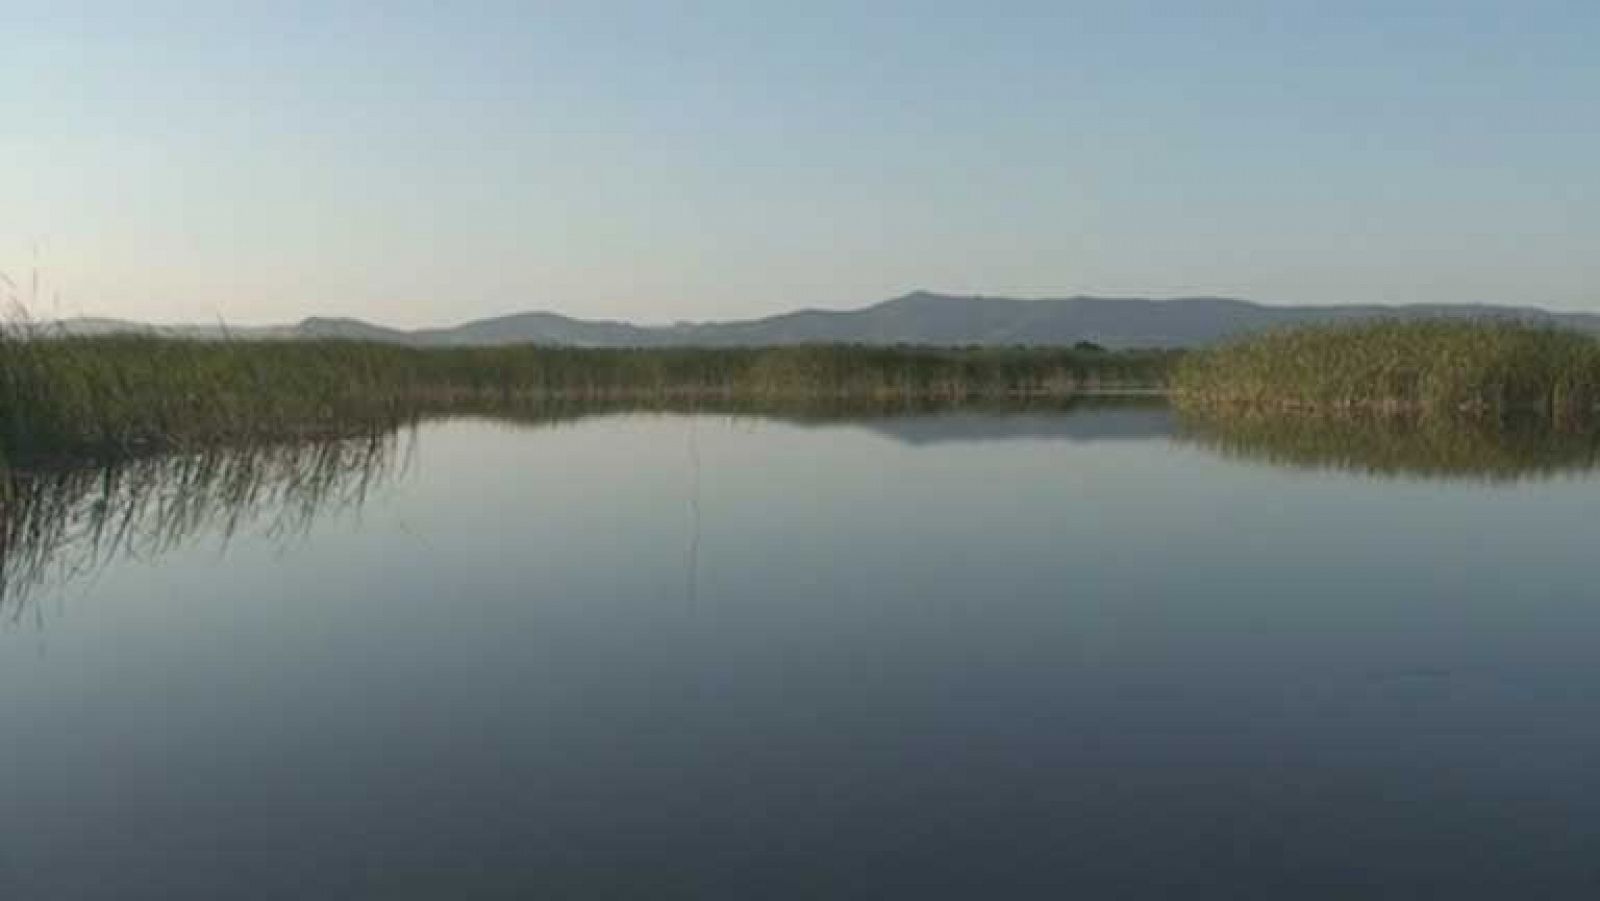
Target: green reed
[
  {"x": 1431, "y": 366},
  {"x": 110, "y": 396}
]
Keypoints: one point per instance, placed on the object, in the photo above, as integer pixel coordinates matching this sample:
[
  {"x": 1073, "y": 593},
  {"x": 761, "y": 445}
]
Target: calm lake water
[{"x": 656, "y": 656}]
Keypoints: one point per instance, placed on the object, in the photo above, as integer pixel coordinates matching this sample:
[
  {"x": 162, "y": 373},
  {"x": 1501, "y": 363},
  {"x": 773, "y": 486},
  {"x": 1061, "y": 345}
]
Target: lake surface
[{"x": 1032, "y": 654}]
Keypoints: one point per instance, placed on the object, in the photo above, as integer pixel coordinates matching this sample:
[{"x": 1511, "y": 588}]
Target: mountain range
[{"x": 920, "y": 317}]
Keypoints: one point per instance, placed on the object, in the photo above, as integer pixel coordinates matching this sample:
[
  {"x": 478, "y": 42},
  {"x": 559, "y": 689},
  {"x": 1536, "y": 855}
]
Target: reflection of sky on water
[{"x": 856, "y": 666}]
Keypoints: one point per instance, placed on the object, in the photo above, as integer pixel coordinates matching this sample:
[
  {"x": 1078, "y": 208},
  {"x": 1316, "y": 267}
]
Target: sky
[{"x": 429, "y": 163}]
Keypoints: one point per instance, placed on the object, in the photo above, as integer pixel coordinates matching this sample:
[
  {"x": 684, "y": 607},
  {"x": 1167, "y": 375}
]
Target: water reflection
[
  {"x": 63, "y": 524},
  {"x": 1400, "y": 446},
  {"x": 1073, "y": 663},
  {"x": 1395, "y": 446},
  {"x": 907, "y": 421},
  {"x": 58, "y": 525}
]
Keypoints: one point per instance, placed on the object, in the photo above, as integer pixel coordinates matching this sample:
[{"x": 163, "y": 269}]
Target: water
[{"x": 1081, "y": 654}]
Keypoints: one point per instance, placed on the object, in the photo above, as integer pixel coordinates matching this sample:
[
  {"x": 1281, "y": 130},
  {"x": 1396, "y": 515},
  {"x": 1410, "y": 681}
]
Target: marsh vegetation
[
  {"x": 1398, "y": 390},
  {"x": 109, "y": 396},
  {"x": 1492, "y": 369}
]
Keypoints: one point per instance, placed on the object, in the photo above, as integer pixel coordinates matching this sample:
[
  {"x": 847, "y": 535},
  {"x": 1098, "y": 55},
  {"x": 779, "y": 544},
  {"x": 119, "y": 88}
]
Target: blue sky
[{"x": 423, "y": 163}]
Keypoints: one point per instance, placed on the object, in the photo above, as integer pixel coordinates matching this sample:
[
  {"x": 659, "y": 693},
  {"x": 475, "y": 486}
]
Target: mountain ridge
[{"x": 919, "y": 317}]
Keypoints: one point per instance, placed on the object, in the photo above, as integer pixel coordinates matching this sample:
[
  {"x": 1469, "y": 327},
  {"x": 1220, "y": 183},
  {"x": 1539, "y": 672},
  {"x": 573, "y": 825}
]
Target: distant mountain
[
  {"x": 545, "y": 328},
  {"x": 917, "y": 318},
  {"x": 102, "y": 326},
  {"x": 349, "y": 330}
]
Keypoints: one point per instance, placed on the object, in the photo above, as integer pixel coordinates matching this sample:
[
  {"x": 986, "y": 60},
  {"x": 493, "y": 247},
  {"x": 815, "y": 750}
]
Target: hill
[{"x": 918, "y": 318}]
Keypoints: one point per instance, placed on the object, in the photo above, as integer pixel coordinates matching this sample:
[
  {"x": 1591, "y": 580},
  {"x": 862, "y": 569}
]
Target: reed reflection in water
[
  {"x": 63, "y": 524},
  {"x": 1401, "y": 446},
  {"x": 60, "y": 525}
]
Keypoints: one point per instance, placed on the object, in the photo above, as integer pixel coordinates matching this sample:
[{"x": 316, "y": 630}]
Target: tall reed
[
  {"x": 108, "y": 396},
  {"x": 1491, "y": 368}
]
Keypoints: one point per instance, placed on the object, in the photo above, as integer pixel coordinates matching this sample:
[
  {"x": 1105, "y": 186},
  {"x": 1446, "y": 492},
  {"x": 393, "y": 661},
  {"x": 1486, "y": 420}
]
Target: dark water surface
[{"x": 971, "y": 655}]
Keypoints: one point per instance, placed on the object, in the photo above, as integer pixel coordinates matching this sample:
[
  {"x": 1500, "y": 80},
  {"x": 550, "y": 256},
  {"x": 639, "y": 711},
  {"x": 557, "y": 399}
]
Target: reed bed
[
  {"x": 1487, "y": 368},
  {"x": 104, "y": 397}
]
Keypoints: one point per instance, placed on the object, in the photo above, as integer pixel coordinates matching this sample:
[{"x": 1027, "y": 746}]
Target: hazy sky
[{"x": 432, "y": 162}]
